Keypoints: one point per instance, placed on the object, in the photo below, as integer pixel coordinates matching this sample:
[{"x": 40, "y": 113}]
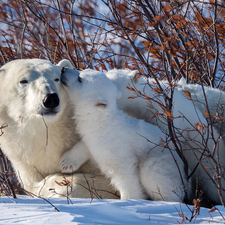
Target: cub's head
[
  {"x": 32, "y": 88},
  {"x": 90, "y": 90}
]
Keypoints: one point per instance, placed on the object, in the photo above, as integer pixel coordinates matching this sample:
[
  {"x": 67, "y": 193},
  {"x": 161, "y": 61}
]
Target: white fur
[
  {"x": 211, "y": 99},
  {"x": 127, "y": 150},
  {"x": 185, "y": 117},
  {"x": 36, "y": 136}
]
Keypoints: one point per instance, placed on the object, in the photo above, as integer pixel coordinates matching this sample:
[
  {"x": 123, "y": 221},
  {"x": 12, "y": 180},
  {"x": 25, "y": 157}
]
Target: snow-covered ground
[{"x": 26, "y": 210}]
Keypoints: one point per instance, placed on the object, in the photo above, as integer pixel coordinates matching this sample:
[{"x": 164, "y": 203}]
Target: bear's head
[
  {"x": 32, "y": 88},
  {"x": 90, "y": 90}
]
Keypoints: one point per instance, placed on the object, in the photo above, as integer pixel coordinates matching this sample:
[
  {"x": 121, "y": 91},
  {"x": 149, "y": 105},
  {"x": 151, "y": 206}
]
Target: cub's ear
[
  {"x": 101, "y": 104},
  {"x": 134, "y": 76},
  {"x": 65, "y": 63}
]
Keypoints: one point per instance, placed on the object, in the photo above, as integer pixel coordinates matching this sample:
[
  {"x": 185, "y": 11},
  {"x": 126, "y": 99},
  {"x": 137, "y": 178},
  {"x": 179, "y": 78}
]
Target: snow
[{"x": 27, "y": 210}]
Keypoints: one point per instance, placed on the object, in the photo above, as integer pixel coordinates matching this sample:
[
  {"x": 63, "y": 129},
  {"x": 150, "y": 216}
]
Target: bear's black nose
[{"x": 51, "y": 101}]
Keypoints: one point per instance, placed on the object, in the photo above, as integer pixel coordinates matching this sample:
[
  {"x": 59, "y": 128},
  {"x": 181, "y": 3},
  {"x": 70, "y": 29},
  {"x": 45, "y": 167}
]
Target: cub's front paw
[{"x": 69, "y": 164}]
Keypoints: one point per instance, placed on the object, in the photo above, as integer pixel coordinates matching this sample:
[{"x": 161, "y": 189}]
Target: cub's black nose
[{"x": 51, "y": 101}]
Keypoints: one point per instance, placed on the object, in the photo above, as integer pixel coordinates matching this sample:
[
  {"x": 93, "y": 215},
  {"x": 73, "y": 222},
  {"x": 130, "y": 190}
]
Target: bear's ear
[
  {"x": 65, "y": 63},
  {"x": 134, "y": 76}
]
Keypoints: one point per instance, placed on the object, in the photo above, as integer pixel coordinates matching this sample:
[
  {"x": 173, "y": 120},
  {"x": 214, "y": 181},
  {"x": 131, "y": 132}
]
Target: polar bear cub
[{"x": 127, "y": 150}]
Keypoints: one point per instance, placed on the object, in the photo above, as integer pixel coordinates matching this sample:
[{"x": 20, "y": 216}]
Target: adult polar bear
[
  {"x": 185, "y": 118},
  {"x": 207, "y": 98},
  {"x": 40, "y": 128}
]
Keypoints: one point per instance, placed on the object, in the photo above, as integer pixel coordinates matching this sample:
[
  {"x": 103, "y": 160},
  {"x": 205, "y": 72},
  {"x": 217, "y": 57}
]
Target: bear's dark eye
[
  {"x": 24, "y": 82},
  {"x": 57, "y": 79},
  {"x": 79, "y": 79}
]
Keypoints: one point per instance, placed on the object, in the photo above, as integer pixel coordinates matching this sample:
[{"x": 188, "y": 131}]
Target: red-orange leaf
[
  {"x": 212, "y": 209},
  {"x": 167, "y": 8},
  {"x": 146, "y": 96},
  {"x": 207, "y": 113},
  {"x": 198, "y": 126},
  {"x": 188, "y": 94},
  {"x": 168, "y": 114},
  {"x": 146, "y": 43},
  {"x": 130, "y": 88},
  {"x": 162, "y": 139}
]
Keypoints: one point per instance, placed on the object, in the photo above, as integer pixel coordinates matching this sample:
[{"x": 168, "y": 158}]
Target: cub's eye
[
  {"x": 24, "y": 82},
  {"x": 56, "y": 79},
  {"x": 79, "y": 79}
]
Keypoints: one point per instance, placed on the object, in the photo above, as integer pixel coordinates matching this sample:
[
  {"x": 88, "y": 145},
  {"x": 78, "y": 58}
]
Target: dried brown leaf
[
  {"x": 198, "y": 126},
  {"x": 188, "y": 94},
  {"x": 212, "y": 209}
]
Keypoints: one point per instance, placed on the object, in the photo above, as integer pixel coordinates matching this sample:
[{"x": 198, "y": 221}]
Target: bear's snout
[{"x": 51, "y": 101}]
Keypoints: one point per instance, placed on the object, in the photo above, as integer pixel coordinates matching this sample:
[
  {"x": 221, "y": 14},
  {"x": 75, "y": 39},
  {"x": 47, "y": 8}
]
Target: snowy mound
[{"x": 84, "y": 211}]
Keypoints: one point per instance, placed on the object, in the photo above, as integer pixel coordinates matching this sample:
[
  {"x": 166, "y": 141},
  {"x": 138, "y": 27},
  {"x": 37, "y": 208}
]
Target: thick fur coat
[
  {"x": 209, "y": 101},
  {"x": 126, "y": 149},
  {"x": 40, "y": 131},
  {"x": 189, "y": 124},
  {"x": 40, "y": 128}
]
